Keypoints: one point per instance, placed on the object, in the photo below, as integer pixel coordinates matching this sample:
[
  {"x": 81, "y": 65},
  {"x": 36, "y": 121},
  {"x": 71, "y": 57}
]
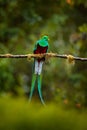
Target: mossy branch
[{"x": 29, "y": 56}]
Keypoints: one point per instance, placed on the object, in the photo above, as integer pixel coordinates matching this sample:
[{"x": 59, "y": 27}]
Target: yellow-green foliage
[{"x": 19, "y": 114}]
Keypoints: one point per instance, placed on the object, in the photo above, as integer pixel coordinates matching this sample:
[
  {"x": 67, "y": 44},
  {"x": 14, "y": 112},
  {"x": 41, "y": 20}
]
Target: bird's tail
[
  {"x": 38, "y": 70},
  {"x": 32, "y": 86},
  {"x": 39, "y": 88}
]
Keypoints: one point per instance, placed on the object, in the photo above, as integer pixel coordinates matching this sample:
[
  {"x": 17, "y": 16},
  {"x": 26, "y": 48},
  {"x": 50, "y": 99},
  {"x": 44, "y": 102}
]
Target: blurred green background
[{"x": 22, "y": 22}]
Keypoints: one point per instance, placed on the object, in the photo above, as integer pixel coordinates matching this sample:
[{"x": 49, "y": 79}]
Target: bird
[{"x": 41, "y": 46}]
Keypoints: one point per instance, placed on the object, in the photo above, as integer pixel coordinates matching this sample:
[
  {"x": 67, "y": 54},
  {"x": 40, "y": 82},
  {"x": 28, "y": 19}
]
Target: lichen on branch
[{"x": 48, "y": 55}]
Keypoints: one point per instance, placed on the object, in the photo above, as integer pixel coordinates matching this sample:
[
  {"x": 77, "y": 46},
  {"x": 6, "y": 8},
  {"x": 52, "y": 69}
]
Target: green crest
[{"x": 44, "y": 41}]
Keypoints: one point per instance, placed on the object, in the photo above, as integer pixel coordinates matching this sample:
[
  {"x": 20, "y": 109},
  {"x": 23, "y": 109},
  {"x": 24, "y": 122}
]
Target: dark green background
[{"x": 22, "y": 22}]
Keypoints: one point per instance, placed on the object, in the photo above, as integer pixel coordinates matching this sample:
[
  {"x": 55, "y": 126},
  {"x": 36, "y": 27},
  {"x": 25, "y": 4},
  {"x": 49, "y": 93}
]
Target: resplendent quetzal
[{"x": 41, "y": 46}]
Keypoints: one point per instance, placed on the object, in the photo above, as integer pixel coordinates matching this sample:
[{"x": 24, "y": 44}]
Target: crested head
[
  {"x": 45, "y": 37},
  {"x": 44, "y": 41}
]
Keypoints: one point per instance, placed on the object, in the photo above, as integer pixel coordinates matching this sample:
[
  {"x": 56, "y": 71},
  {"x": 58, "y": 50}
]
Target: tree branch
[{"x": 69, "y": 57}]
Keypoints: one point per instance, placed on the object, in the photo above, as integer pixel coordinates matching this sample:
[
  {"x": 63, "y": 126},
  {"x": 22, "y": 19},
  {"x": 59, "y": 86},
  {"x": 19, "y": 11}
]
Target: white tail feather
[{"x": 38, "y": 67}]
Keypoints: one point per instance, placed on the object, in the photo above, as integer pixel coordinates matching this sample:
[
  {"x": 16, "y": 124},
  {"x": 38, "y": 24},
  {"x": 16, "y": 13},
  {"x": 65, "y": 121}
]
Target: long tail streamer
[
  {"x": 39, "y": 88},
  {"x": 32, "y": 86}
]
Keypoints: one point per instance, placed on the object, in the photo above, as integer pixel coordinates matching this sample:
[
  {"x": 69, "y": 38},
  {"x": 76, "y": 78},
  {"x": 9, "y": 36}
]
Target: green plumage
[
  {"x": 43, "y": 42},
  {"x": 41, "y": 46}
]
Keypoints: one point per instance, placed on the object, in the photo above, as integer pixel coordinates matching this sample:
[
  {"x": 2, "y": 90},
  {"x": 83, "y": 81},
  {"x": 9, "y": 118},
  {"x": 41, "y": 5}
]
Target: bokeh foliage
[
  {"x": 19, "y": 114},
  {"x": 22, "y": 23}
]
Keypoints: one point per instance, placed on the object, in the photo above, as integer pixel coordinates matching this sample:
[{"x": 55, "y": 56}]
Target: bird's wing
[{"x": 35, "y": 47}]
